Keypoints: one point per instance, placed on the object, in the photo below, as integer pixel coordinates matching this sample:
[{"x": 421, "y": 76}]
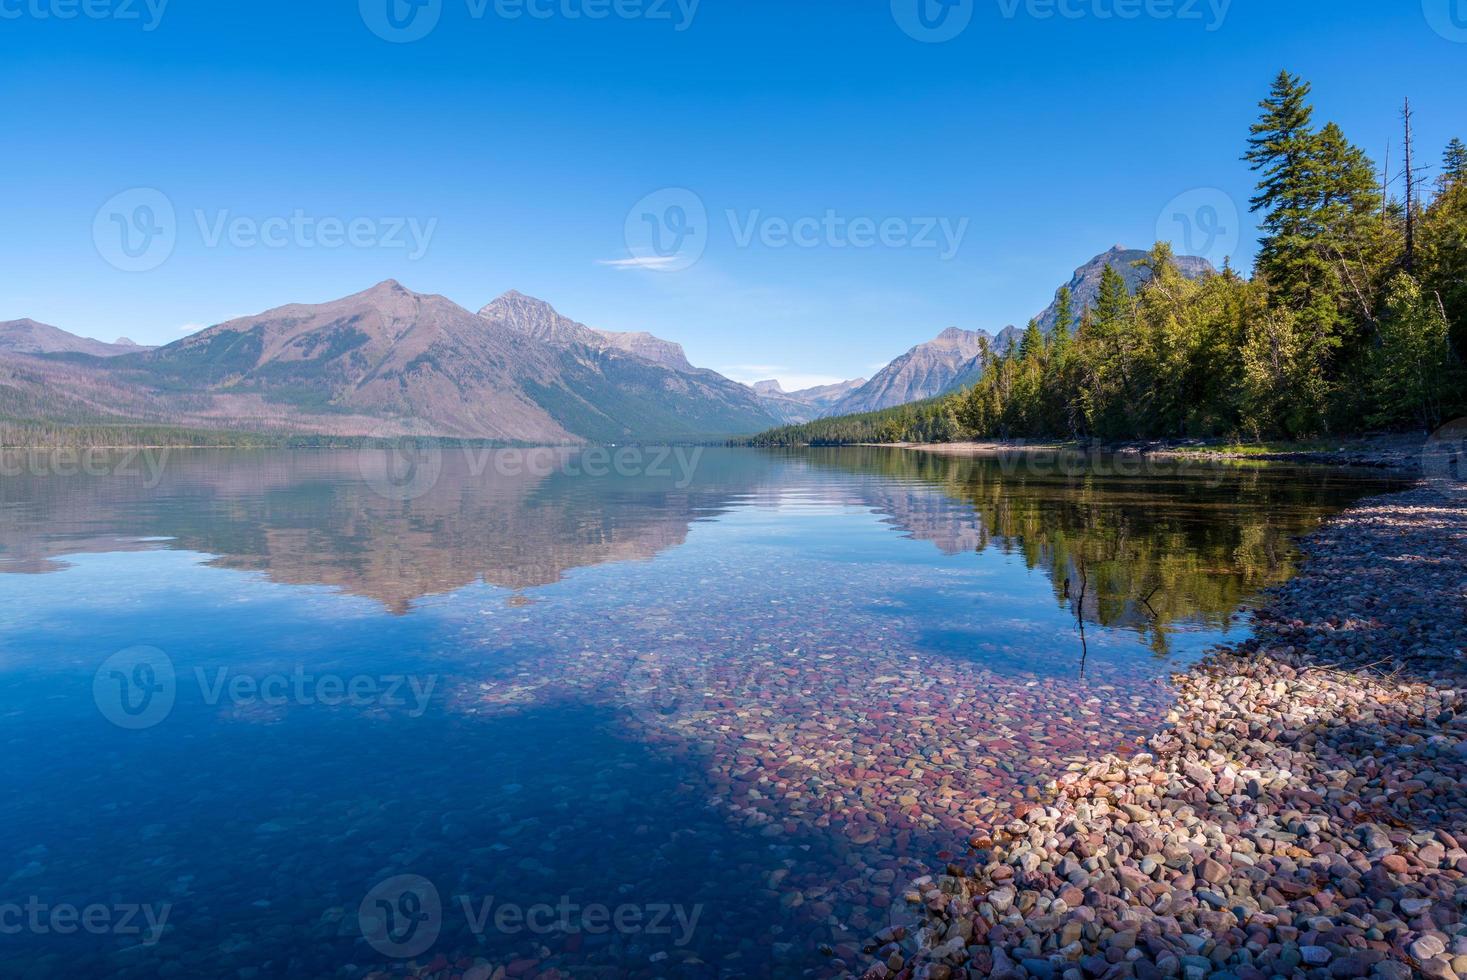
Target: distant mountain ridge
[
  {"x": 924, "y": 371},
  {"x": 388, "y": 362},
  {"x": 27, "y": 336},
  {"x": 806, "y": 404}
]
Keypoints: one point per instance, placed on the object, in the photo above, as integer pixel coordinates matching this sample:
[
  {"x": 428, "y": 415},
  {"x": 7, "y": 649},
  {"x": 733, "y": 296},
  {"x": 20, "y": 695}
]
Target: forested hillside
[{"x": 1355, "y": 318}]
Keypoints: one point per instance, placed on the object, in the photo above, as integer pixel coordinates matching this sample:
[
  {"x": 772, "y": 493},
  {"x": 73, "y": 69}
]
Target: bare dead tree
[
  {"x": 1385, "y": 188},
  {"x": 1410, "y": 257},
  {"x": 1080, "y": 615}
]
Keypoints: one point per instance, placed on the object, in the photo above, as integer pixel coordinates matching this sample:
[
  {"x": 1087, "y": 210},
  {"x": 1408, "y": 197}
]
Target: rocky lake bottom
[{"x": 272, "y": 715}]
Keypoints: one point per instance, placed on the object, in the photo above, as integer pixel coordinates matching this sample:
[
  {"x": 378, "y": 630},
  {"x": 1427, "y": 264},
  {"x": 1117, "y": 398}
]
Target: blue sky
[{"x": 828, "y": 183}]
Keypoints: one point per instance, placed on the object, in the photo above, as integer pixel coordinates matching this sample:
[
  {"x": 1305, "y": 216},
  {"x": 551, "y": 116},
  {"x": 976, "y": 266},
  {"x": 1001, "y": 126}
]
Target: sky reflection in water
[{"x": 331, "y": 731}]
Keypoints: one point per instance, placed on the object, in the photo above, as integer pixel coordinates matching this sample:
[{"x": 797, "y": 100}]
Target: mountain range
[
  {"x": 806, "y": 404},
  {"x": 390, "y": 362}
]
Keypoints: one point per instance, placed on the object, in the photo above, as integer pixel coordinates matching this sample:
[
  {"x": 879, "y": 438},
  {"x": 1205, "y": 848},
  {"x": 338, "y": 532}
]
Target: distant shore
[{"x": 1303, "y": 815}]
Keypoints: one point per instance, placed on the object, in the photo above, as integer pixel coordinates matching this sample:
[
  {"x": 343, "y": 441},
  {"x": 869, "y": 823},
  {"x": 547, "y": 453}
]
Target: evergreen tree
[
  {"x": 1346, "y": 235},
  {"x": 1443, "y": 262},
  {"x": 1454, "y": 163},
  {"x": 1280, "y": 148},
  {"x": 1412, "y": 365},
  {"x": 1332, "y": 333},
  {"x": 1031, "y": 347},
  {"x": 1064, "y": 316},
  {"x": 1060, "y": 409}
]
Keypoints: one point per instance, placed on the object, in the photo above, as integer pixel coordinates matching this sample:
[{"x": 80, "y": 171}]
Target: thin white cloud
[
  {"x": 654, "y": 262},
  {"x": 190, "y": 328}
]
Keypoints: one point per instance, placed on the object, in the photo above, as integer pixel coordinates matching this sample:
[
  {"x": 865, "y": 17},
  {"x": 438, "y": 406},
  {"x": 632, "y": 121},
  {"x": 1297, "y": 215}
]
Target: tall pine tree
[
  {"x": 1280, "y": 148},
  {"x": 1454, "y": 163}
]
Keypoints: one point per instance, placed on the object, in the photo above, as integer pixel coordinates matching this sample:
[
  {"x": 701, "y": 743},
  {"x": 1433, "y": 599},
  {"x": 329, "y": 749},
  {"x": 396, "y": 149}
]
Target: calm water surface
[{"x": 275, "y": 714}]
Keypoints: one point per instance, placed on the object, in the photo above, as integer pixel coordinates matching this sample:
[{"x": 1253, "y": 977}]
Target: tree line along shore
[{"x": 1355, "y": 319}]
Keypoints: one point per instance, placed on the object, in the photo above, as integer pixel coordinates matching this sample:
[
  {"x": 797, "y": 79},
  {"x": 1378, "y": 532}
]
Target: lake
[{"x": 633, "y": 712}]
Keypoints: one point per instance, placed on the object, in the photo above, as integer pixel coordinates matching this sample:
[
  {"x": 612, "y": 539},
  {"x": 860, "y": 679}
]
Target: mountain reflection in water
[{"x": 777, "y": 691}]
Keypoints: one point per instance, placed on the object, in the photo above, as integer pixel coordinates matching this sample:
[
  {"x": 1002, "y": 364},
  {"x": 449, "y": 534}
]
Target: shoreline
[
  {"x": 1303, "y": 814},
  {"x": 1394, "y": 452}
]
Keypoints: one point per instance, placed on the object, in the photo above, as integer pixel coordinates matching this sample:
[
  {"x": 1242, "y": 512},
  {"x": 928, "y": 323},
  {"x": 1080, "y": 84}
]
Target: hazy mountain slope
[
  {"x": 626, "y": 386},
  {"x": 29, "y": 337},
  {"x": 924, "y": 371},
  {"x": 804, "y": 405}
]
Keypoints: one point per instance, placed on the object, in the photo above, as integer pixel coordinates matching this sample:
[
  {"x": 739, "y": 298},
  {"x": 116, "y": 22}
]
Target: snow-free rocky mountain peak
[
  {"x": 388, "y": 361},
  {"x": 539, "y": 319}
]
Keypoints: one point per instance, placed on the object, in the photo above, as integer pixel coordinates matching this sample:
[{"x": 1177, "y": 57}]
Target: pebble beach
[{"x": 1302, "y": 813}]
